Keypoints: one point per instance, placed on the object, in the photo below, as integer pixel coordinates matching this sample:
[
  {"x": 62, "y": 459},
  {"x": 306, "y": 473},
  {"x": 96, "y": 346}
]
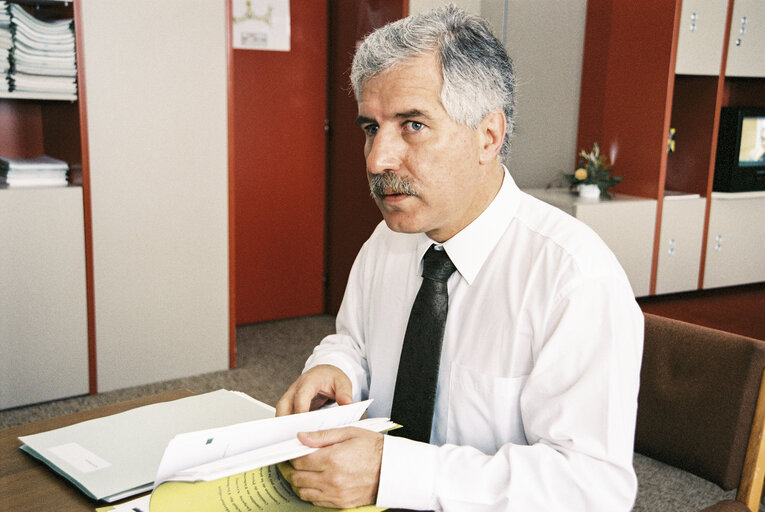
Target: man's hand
[
  {"x": 314, "y": 388},
  {"x": 344, "y": 473}
]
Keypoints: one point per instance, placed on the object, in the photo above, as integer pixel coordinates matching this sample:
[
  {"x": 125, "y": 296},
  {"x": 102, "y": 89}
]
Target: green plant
[{"x": 593, "y": 169}]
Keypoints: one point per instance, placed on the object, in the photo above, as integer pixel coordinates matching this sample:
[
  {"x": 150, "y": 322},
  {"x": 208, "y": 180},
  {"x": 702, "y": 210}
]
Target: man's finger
[
  {"x": 284, "y": 405},
  {"x": 322, "y": 438}
]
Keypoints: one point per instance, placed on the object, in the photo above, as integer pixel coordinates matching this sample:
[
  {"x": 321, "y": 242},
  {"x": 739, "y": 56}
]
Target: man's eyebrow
[{"x": 362, "y": 120}]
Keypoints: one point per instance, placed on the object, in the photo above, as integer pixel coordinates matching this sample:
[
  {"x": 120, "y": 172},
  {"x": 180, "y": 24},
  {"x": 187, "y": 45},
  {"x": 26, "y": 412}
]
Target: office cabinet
[
  {"x": 43, "y": 308},
  {"x": 135, "y": 261},
  {"x": 655, "y": 74},
  {"x": 735, "y": 239},
  {"x": 43, "y": 284},
  {"x": 680, "y": 241},
  {"x": 747, "y": 40},
  {"x": 611, "y": 220}
]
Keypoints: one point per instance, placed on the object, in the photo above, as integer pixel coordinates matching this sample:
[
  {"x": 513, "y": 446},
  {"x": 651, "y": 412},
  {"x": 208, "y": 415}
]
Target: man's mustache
[{"x": 390, "y": 183}]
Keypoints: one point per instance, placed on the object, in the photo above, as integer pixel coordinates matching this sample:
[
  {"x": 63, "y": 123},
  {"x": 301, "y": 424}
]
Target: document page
[
  {"x": 263, "y": 490},
  {"x": 215, "y": 453}
]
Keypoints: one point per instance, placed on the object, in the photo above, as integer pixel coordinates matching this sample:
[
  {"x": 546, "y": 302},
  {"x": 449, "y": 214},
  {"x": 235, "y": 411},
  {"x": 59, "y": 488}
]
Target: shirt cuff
[{"x": 407, "y": 474}]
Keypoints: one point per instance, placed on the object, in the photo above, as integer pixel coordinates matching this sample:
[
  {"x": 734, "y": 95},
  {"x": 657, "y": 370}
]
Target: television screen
[
  {"x": 752, "y": 145},
  {"x": 740, "y": 160}
]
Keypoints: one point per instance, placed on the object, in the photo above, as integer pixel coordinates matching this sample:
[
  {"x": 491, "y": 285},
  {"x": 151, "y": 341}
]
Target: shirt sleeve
[
  {"x": 578, "y": 410},
  {"x": 346, "y": 349}
]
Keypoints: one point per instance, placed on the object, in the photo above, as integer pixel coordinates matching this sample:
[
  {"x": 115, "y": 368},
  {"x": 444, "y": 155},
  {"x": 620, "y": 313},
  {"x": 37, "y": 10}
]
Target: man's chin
[{"x": 396, "y": 223}]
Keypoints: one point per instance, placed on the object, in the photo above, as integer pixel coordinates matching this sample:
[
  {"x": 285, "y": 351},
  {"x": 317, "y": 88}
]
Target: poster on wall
[{"x": 261, "y": 24}]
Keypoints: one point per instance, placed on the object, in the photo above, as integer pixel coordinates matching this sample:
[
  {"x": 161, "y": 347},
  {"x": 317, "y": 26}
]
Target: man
[{"x": 537, "y": 388}]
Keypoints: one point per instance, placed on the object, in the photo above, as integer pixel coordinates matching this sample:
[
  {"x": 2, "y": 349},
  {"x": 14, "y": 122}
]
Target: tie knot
[{"x": 436, "y": 265}]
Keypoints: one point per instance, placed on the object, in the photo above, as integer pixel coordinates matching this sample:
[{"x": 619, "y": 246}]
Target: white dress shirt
[{"x": 538, "y": 382}]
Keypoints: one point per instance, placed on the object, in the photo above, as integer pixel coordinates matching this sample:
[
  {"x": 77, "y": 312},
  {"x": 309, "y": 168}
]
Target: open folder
[
  {"x": 117, "y": 456},
  {"x": 186, "y": 448},
  {"x": 233, "y": 468}
]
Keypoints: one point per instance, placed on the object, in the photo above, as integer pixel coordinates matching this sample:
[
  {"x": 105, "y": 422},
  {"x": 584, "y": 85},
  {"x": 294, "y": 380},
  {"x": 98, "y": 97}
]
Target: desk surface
[{"x": 30, "y": 485}]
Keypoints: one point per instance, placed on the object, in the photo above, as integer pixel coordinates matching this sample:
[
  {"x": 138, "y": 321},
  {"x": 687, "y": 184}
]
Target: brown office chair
[{"x": 701, "y": 406}]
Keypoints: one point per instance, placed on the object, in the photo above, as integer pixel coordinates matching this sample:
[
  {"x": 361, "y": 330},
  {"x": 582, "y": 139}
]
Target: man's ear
[{"x": 491, "y": 132}]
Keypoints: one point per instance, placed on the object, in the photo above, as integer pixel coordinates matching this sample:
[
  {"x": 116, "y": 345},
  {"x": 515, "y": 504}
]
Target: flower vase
[{"x": 589, "y": 191}]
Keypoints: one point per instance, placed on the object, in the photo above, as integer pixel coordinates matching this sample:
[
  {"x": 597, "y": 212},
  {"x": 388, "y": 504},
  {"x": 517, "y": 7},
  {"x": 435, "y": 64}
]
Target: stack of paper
[
  {"x": 5, "y": 42},
  {"x": 41, "y": 58},
  {"x": 42, "y": 171}
]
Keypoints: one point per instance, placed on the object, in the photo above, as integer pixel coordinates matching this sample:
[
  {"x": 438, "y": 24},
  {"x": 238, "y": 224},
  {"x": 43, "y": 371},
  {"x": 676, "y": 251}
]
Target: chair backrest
[{"x": 699, "y": 390}]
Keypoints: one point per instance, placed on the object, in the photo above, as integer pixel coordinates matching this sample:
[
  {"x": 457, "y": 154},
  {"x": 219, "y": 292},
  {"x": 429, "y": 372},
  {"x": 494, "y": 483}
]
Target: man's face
[{"x": 411, "y": 138}]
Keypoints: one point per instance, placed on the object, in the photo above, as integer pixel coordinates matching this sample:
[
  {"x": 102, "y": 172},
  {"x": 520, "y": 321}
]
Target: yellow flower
[{"x": 580, "y": 174}]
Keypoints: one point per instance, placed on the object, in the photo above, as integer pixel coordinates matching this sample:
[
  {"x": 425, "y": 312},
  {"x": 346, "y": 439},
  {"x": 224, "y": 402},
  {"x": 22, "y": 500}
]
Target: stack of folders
[
  {"x": 5, "y": 41},
  {"x": 42, "y": 171},
  {"x": 41, "y": 54}
]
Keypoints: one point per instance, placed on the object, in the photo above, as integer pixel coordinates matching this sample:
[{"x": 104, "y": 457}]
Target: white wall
[{"x": 545, "y": 40}]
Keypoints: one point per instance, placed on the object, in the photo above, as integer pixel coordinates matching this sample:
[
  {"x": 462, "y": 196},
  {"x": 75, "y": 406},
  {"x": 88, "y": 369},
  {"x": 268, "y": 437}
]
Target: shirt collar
[{"x": 469, "y": 248}]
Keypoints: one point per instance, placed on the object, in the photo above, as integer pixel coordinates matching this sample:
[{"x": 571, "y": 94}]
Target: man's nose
[{"x": 385, "y": 152}]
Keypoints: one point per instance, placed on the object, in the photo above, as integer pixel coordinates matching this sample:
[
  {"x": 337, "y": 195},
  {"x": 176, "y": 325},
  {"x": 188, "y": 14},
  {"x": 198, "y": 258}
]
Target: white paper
[
  {"x": 137, "y": 505},
  {"x": 266, "y": 456},
  {"x": 188, "y": 456},
  {"x": 261, "y": 24}
]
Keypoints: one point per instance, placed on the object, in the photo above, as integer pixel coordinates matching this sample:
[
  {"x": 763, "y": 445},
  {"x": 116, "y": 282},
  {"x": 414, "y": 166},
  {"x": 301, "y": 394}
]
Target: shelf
[
  {"x": 756, "y": 194},
  {"x": 37, "y": 187},
  {"x": 37, "y": 96},
  {"x": 566, "y": 201},
  {"x": 34, "y": 3}
]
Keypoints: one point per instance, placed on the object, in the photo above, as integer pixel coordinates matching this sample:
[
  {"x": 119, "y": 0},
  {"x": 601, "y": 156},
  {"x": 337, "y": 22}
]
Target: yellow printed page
[{"x": 260, "y": 490}]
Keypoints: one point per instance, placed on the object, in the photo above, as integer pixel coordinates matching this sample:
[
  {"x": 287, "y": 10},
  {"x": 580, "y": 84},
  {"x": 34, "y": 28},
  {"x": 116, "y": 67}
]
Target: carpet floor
[{"x": 739, "y": 309}]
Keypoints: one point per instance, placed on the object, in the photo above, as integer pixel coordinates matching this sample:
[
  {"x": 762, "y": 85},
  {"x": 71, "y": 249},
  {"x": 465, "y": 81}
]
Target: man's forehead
[{"x": 398, "y": 102}]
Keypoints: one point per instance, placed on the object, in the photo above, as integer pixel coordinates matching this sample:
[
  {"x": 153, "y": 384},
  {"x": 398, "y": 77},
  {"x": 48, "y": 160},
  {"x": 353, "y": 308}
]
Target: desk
[{"x": 27, "y": 485}]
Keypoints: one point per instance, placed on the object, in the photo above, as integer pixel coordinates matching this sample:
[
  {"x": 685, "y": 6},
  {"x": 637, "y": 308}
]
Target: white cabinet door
[
  {"x": 746, "y": 48},
  {"x": 43, "y": 311},
  {"x": 682, "y": 232},
  {"x": 701, "y": 37},
  {"x": 626, "y": 225},
  {"x": 156, "y": 88},
  {"x": 735, "y": 240}
]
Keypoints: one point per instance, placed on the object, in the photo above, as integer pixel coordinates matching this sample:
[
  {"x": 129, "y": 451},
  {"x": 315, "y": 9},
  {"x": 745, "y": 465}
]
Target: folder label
[{"x": 80, "y": 458}]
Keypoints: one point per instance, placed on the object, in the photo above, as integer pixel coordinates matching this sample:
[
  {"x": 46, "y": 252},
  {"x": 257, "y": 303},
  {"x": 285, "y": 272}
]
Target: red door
[
  {"x": 301, "y": 206},
  {"x": 278, "y": 176},
  {"x": 351, "y": 212}
]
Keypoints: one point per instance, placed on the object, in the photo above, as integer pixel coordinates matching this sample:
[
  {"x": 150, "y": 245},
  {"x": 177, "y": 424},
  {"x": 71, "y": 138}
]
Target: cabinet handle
[{"x": 741, "y": 31}]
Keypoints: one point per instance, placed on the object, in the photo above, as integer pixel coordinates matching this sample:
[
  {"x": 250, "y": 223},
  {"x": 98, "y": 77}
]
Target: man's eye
[
  {"x": 371, "y": 129},
  {"x": 416, "y": 126}
]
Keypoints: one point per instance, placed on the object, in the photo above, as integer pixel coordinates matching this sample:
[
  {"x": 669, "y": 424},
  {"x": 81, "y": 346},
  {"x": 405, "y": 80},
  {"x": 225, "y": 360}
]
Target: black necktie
[{"x": 415, "y": 394}]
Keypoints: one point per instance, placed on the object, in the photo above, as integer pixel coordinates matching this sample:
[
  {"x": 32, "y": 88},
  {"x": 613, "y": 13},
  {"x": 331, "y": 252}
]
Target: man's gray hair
[{"x": 477, "y": 72}]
